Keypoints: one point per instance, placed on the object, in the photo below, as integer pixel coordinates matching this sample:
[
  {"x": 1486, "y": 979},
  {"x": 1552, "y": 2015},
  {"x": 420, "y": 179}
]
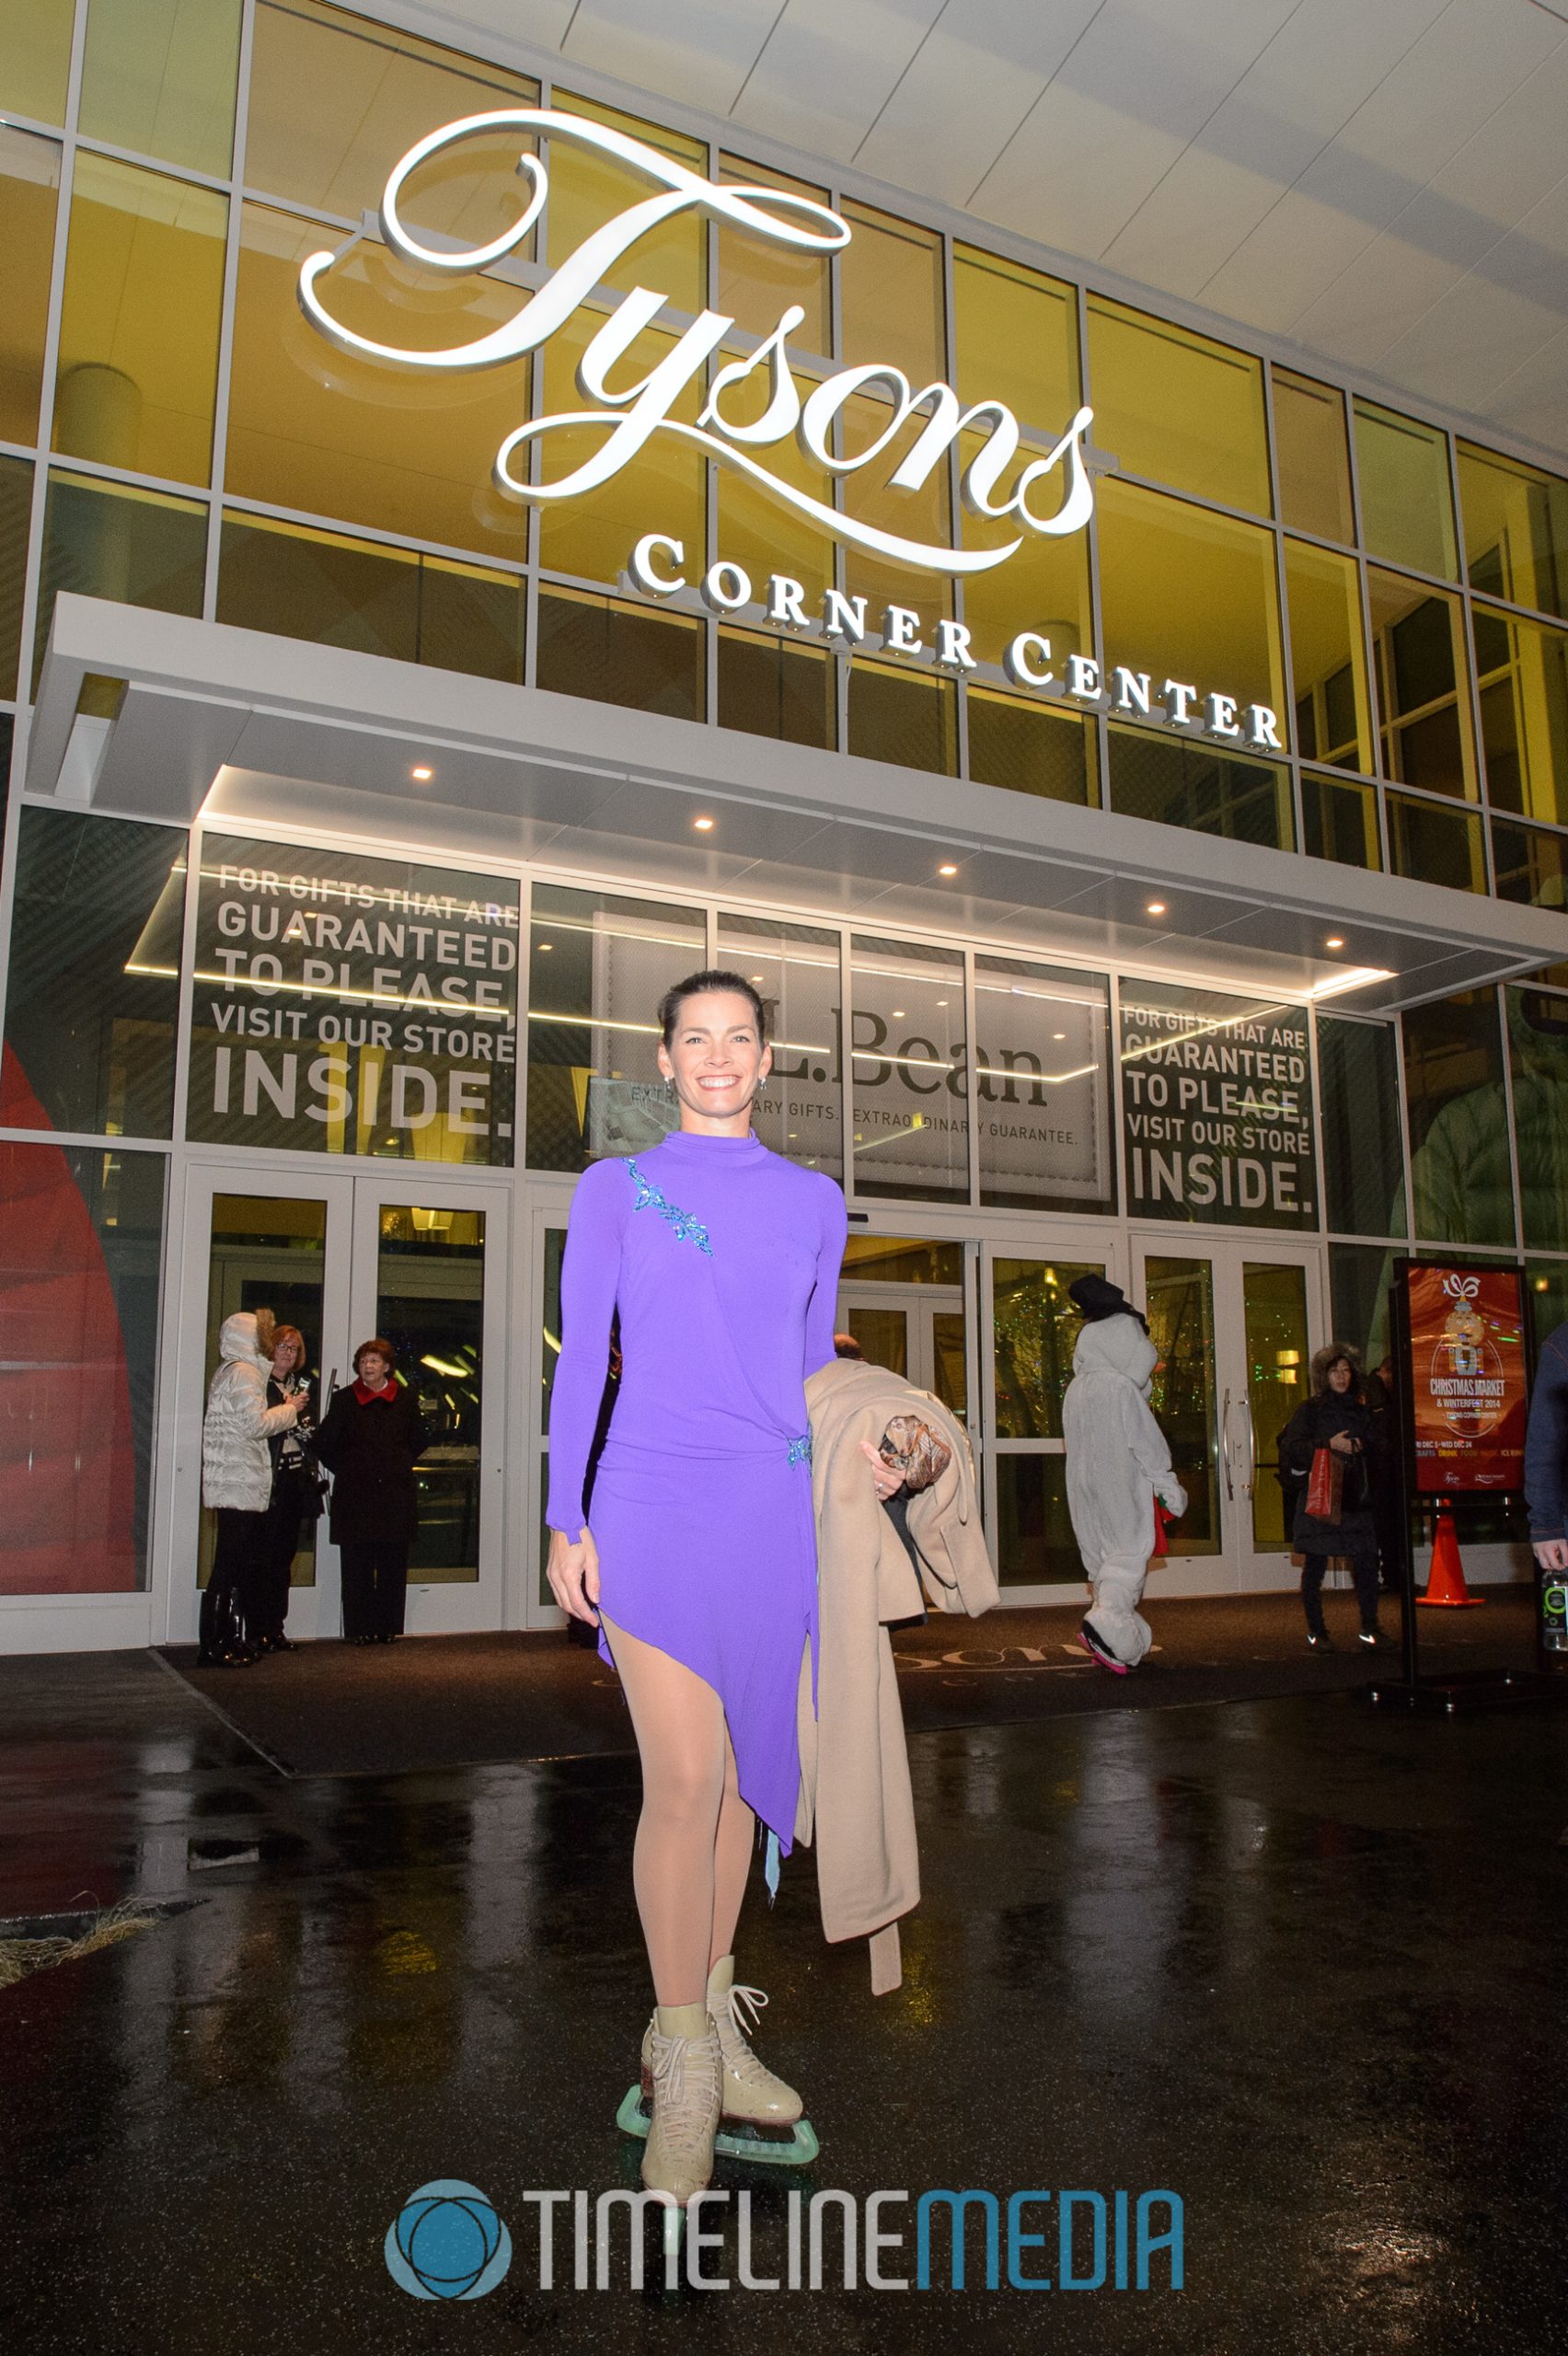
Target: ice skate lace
[
  {"x": 686, "y": 2088},
  {"x": 733, "y": 2031}
]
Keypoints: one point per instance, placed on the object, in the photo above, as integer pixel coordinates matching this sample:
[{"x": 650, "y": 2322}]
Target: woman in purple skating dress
[{"x": 697, "y": 1557}]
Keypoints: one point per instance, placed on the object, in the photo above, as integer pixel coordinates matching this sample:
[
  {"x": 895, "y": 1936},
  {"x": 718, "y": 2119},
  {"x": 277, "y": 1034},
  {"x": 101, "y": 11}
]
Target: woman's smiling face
[{"x": 716, "y": 1060}]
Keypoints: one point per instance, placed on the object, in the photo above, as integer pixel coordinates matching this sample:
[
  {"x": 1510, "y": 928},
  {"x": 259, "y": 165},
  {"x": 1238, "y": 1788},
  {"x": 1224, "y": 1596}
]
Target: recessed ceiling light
[
  {"x": 948, "y": 869},
  {"x": 421, "y": 775},
  {"x": 703, "y": 825},
  {"x": 1155, "y": 908},
  {"x": 1058, "y": 1035},
  {"x": 898, "y": 1015},
  {"x": 1334, "y": 941},
  {"x": 757, "y": 978},
  {"x": 544, "y": 946}
]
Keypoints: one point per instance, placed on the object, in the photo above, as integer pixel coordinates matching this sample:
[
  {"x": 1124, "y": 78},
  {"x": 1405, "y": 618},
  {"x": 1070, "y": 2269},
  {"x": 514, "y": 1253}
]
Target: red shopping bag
[{"x": 1326, "y": 1487}]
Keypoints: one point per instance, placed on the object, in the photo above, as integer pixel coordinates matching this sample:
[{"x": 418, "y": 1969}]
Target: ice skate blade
[{"x": 792, "y": 2147}]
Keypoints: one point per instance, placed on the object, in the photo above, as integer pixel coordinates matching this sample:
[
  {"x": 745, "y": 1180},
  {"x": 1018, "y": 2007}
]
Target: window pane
[
  {"x": 1177, "y": 408},
  {"x": 16, "y": 508},
  {"x": 1538, "y": 1056},
  {"x": 909, "y": 1095},
  {"x": 159, "y": 76},
  {"x": 1190, "y": 596},
  {"x": 1016, "y": 336},
  {"x": 1180, "y": 1324},
  {"x": 95, "y": 975},
  {"x": 35, "y": 57},
  {"x": 1407, "y": 511},
  {"x": 403, "y": 450},
  {"x": 663, "y": 488},
  {"x": 1462, "y": 1185},
  {"x": 1035, "y": 1546},
  {"x": 1278, "y": 1354},
  {"x": 139, "y": 331},
  {"x": 1043, "y": 1059},
  {"x": 756, "y": 530},
  {"x": 1310, "y": 457},
  {"x": 597, "y": 969},
  {"x": 1035, "y": 1327},
  {"x": 1422, "y": 686},
  {"x": 1184, "y": 784},
  {"x": 1340, "y": 821},
  {"x": 1530, "y": 865},
  {"x": 1359, "y": 1278},
  {"x": 1363, "y": 1157},
  {"x": 890, "y": 292},
  {"x": 336, "y": 101},
  {"x": 339, "y": 592},
  {"x": 353, "y": 1005},
  {"x": 81, "y": 1238},
  {"x": 30, "y": 182},
  {"x": 1515, "y": 531},
  {"x": 1327, "y": 658},
  {"x": 755, "y": 282},
  {"x": 1216, "y": 1107},
  {"x": 592, "y": 646},
  {"x": 267, "y": 1251},
  {"x": 1434, "y": 844},
  {"x": 898, "y": 716},
  {"x": 924, "y": 514},
  {"x": 139, "y": 548},
  {"x": 771, "y": 688},
  {"x": 1546, "y": 1288},
  {"x": 1522, "y": 672},
  {"x": 588, "y": 188},
  {"x": 1029, "y": 750},
  {"x": 795, "y": 968},
  {"x": 1045, "y": 587},
  {"x": 430, "y": 1303}
]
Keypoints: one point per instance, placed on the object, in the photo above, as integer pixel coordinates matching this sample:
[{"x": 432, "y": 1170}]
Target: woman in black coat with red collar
[
  {"x": 1335, "y": 1418},
  {"x": 370, "y": 1440}
]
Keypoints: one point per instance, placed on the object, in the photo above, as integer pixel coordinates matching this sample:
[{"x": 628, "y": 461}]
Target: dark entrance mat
[{"x": 334, "y": 1709}]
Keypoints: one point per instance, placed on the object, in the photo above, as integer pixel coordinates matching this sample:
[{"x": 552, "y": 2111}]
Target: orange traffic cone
[{"x": 1446, "y": 1581}]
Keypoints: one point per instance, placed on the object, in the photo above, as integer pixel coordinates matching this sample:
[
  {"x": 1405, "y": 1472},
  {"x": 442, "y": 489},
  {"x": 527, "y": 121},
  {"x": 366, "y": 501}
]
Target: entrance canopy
[{"x": 150, "y": 715}]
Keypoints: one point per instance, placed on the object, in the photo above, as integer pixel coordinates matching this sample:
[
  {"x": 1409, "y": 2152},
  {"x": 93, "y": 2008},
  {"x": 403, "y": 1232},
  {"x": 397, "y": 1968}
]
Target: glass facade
[{"x": 179, "y": 439}]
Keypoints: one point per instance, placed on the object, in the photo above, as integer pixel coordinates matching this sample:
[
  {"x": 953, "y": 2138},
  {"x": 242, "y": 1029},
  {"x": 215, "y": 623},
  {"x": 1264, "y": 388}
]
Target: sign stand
[{"x": 1462, "y": 1443}]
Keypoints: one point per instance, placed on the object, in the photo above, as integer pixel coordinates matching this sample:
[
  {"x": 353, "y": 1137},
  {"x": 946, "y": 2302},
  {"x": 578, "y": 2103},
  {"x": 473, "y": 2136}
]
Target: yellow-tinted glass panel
[
  {"x": 890, "y": 295},
  {"x": 1407, "y": 511},
  {"x": 1045, "y": 587},
  {"x": 1435, "y": 844},
  {"x": 139, "y": 334},
  {"x": 1338, "y": 821},
  {"x": 158, "y": 75},
  {"x": 756, "y": 281},
  {"x": 138, "y": 547},
  {"x": 1516, "y": 523},
  {"x": 1188, "y": 595},
  {"x": 15, "y": 507},
  {"x": 1422, "y": 689},
  {"x": 35, "y": 57},
  {"x": 30, "y": 177},
  {"x": 664, "y": 489},
  {"x": 1326, "y": 657},
  {"x": 336, "y": 101},
  {"x": 758, "y": 531},
  {"x": 1311, "y": 459},
  {"x": 588, "y": 188},
  {"x": 924, "y": 514},
  {"x": 1522, "y": 671},
  {"x": 1016, "y": 336},
  {"x": 1178, "y": 409},
  {"x": 404, "y": 450}
]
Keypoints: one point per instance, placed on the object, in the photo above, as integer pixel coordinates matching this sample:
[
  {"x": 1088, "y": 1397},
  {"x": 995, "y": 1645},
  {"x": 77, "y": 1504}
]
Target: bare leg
[
  {"x": 732, "y": 1860},
  {"x": 684, "y": 1750}
]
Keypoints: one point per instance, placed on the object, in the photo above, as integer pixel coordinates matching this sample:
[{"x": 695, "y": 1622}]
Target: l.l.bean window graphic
[
  {"x": 353, "y": 1005},
  {"x": 1216, "y": 1108}
]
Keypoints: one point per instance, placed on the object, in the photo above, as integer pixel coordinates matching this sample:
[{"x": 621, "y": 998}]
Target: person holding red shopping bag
[{"x": 1328, "y": 1452}]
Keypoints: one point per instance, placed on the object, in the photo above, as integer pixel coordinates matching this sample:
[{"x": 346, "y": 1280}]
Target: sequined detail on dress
[
  {"x": 681, "y": 1224},
  {"x": 801, "y": 1450}
]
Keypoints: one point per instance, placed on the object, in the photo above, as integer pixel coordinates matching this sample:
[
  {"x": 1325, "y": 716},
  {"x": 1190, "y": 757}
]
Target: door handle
[
  {"x": 1252, "y": 1429},
  {"x": 1225, "y": 1445}
]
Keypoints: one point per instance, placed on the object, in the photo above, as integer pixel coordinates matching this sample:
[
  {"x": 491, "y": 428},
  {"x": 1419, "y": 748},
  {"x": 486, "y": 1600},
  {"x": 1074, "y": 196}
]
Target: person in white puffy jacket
[
  {"x": 1117, "y": 1464},
  {"x": 236, "y": 1477}
]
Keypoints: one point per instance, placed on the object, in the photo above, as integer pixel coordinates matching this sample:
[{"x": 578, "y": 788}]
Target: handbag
[
  {"x": 912, "y": 1447},
  {"x": 1325, "y": 1487}
]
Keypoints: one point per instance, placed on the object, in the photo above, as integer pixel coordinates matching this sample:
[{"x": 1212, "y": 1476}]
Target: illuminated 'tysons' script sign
[{"x": 635, "y": 412}]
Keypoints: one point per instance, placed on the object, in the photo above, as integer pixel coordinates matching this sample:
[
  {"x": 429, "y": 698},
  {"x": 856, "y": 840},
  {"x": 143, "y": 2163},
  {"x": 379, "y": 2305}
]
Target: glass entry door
[
  {"x": 419, "y": 1262},
  {"x": 1236, "y": 1325}
]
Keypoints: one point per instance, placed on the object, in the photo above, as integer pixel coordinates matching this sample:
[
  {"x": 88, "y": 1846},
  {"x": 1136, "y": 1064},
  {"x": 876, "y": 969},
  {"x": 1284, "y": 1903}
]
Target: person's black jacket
[
  {"x": 1313, "y": 1427},
  {"x": 371, "y": 1451},
  {"x": 297, "y": 1480}
]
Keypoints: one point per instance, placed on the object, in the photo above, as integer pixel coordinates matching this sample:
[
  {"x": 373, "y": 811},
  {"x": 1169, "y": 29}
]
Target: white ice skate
[{"x": 760, "y": 2115}]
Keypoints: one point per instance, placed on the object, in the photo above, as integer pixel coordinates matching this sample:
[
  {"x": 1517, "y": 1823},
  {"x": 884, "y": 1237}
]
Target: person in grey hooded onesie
[{"x": 1117, "y": 1464}]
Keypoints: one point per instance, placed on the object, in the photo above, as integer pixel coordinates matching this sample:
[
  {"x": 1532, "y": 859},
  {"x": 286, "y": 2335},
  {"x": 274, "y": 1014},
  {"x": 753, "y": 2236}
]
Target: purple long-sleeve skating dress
[{"x": 723, "y": 1261}]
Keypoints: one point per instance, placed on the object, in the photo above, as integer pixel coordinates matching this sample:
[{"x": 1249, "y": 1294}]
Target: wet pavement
[{"x": 1299, "y": 1965}]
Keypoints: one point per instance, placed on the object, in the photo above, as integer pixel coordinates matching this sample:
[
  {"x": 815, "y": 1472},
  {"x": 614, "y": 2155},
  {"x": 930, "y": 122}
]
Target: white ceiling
[{"x": 1383, "y": 183}]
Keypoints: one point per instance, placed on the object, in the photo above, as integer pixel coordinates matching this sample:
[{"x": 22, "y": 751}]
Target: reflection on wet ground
[{"x": 1300, "y": 1966}]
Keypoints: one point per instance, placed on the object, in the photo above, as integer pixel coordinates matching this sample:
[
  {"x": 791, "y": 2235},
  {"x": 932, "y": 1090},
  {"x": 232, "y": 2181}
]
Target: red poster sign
[{"x": 1467, "y": 1365}]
